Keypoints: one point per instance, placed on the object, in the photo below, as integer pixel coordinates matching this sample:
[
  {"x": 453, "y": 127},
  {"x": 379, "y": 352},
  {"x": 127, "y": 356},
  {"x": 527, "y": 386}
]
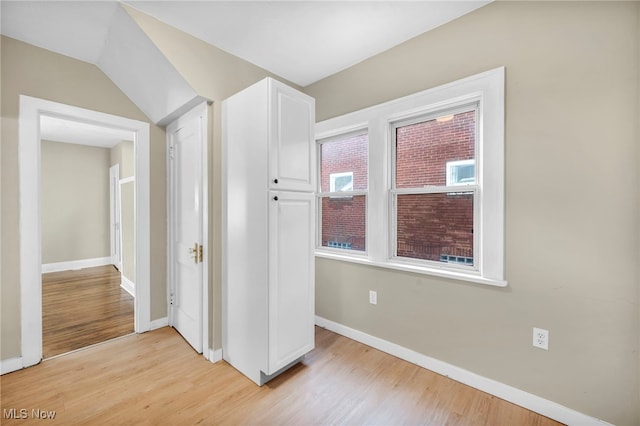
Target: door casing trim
[{"x": 29, "y": 161}]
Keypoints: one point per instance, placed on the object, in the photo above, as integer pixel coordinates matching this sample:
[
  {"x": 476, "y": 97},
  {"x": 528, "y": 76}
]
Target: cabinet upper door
[{"x": 292, "y": 151}]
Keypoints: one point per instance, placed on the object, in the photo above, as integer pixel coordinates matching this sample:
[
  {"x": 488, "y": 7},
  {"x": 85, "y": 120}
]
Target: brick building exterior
[
  {"x": 434, "y": 226},
  {"x": 344, "y": 218},
  {"x": 437, "y": 226}
]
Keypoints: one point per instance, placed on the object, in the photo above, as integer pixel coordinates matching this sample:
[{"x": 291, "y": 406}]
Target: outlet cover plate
[{"x": 541, "y": 338}]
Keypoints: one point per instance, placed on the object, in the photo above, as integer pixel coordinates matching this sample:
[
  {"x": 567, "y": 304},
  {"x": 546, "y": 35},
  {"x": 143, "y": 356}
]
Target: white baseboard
[
  {"x": 516, "y": 396},
  {"x": 215, "y": 356},
  {"x": 11, "y": 364},
  {"x": 159, "y": 323},
  {"x": 75, "y": 264},
  {"x": 127, "y": 285}
]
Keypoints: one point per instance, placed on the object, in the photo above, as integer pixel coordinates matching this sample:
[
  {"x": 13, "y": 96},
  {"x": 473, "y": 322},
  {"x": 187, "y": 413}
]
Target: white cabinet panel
[
  {"x": 291, "y": 291},
  {"x": 291, "y": 151}
]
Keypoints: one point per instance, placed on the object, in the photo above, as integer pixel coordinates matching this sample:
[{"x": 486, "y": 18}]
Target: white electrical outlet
[
  {"x": 373, "y": 297},
  {"x": 541, "y": 338}
]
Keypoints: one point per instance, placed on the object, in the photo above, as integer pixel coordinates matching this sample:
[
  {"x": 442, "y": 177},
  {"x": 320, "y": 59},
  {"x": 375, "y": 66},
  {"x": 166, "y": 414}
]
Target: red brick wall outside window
[
  {"x": 434, "y": 226},
  {"x": 429, "y": 226},
  {"x": 344, "y": 217}
]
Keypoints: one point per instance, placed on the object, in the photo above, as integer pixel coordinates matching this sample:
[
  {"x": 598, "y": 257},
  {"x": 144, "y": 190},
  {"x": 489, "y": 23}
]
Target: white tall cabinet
[{"x": 268, "y": 228}]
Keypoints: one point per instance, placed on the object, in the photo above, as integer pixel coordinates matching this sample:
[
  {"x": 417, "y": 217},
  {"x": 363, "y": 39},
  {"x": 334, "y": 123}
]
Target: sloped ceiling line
[{"x": 134, "y": 63}]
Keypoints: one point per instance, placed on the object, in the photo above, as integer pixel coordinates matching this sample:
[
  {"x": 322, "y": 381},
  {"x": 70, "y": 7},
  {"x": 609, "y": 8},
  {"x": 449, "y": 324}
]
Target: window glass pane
[
  {"x": 344, "y": 222},
  {"x": 341, "y": 182},
  {"x": 430, "y": 153},
  {"x": 344, "y": 163},
  {"x": 462, "y": 172},
  {"x": 437, "y": 226}
]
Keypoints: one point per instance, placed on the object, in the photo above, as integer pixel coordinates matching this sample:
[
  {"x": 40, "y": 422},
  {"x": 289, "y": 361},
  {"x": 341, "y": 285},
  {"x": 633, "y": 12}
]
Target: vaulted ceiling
[{"x": 302, "y": 41}]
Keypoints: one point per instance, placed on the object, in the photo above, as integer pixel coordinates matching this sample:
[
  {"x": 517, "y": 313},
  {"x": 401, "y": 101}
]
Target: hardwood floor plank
[
  {"x": 156, "y": 379},
  {"x": 83, "y": 307}
]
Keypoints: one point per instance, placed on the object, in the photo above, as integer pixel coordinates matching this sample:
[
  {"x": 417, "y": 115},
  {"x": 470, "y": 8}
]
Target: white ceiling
[
  {"x": 302, "y": 41},
  {"x": 305, "y": 41}
]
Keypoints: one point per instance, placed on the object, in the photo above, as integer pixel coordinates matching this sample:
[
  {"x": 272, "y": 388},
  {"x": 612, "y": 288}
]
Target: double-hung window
[
  {"x": 343, "y": 180},
  {"x": 434, "y": 187},
  {"x": 433, "y": 199}
]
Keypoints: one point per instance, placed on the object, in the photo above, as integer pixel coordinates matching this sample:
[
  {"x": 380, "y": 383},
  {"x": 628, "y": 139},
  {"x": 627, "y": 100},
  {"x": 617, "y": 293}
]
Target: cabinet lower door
[{"x": 291, "y": 277}]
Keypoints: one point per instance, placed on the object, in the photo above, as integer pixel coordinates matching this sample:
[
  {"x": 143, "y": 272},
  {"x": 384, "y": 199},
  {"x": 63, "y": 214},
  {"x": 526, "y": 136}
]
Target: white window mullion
[{"x": 379, "y": 185}]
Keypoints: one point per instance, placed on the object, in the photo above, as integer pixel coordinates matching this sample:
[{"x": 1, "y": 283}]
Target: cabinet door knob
[
  {"x": 275, "y": 198},
  {"x": 275, "y": 181}
]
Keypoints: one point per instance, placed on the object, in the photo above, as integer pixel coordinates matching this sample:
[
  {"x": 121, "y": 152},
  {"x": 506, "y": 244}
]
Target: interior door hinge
[
  {"x": 171, "y": 299},
  {"x": 171, "y": 152}
]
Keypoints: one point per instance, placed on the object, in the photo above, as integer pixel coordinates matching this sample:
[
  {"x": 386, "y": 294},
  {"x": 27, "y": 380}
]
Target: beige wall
[
  {"x": 572, "y": 234},
  {"x": 572, "y": 205},
  {"x": 39, "y": 73},
  {"x": 75, "y": 202},
  {"x": 123, "y": 155}
]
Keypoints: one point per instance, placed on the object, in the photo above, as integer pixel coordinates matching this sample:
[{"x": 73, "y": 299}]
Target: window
[
  {"x": 343, "y": 192},
  {"x": 341, "y": 182},
  {"x": 432, "y": 154},
  {"x": 433, "y": 199},
  {"x": 461, "y": 172}
]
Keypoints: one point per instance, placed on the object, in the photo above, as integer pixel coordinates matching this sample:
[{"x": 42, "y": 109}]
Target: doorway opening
[
  {"x": 30, "y": 218},
  {"x": 88, "y": 234}
]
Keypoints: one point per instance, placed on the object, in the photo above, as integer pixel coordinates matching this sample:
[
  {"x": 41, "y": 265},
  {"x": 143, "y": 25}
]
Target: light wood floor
[
  {"x": 157, "y": 379},
  {"x": 84, "y": 307}
]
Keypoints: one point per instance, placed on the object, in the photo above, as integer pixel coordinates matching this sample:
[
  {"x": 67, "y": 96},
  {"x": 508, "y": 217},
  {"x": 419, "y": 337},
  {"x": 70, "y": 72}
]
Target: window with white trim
[
  {"x": 342, "y": 196},
  {"x": 433, "y": 189},
  {"x": 446, "y": 222}
]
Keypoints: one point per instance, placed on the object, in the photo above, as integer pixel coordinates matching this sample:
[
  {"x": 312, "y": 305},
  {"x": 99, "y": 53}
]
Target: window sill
[{"x": 444, "y": 273}]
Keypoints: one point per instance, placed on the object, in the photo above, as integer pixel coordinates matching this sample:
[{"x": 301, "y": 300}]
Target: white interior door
[
  {"x": 187, "y": 208},
  {"x": 114, "y": 216}
]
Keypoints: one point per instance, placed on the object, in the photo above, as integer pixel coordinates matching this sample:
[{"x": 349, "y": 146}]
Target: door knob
[{"x": 275, "y": 198}]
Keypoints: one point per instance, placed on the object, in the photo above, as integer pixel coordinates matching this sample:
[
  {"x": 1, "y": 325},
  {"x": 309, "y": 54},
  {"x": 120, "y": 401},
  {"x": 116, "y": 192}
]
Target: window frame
[{"x": 487, "y": 89}]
